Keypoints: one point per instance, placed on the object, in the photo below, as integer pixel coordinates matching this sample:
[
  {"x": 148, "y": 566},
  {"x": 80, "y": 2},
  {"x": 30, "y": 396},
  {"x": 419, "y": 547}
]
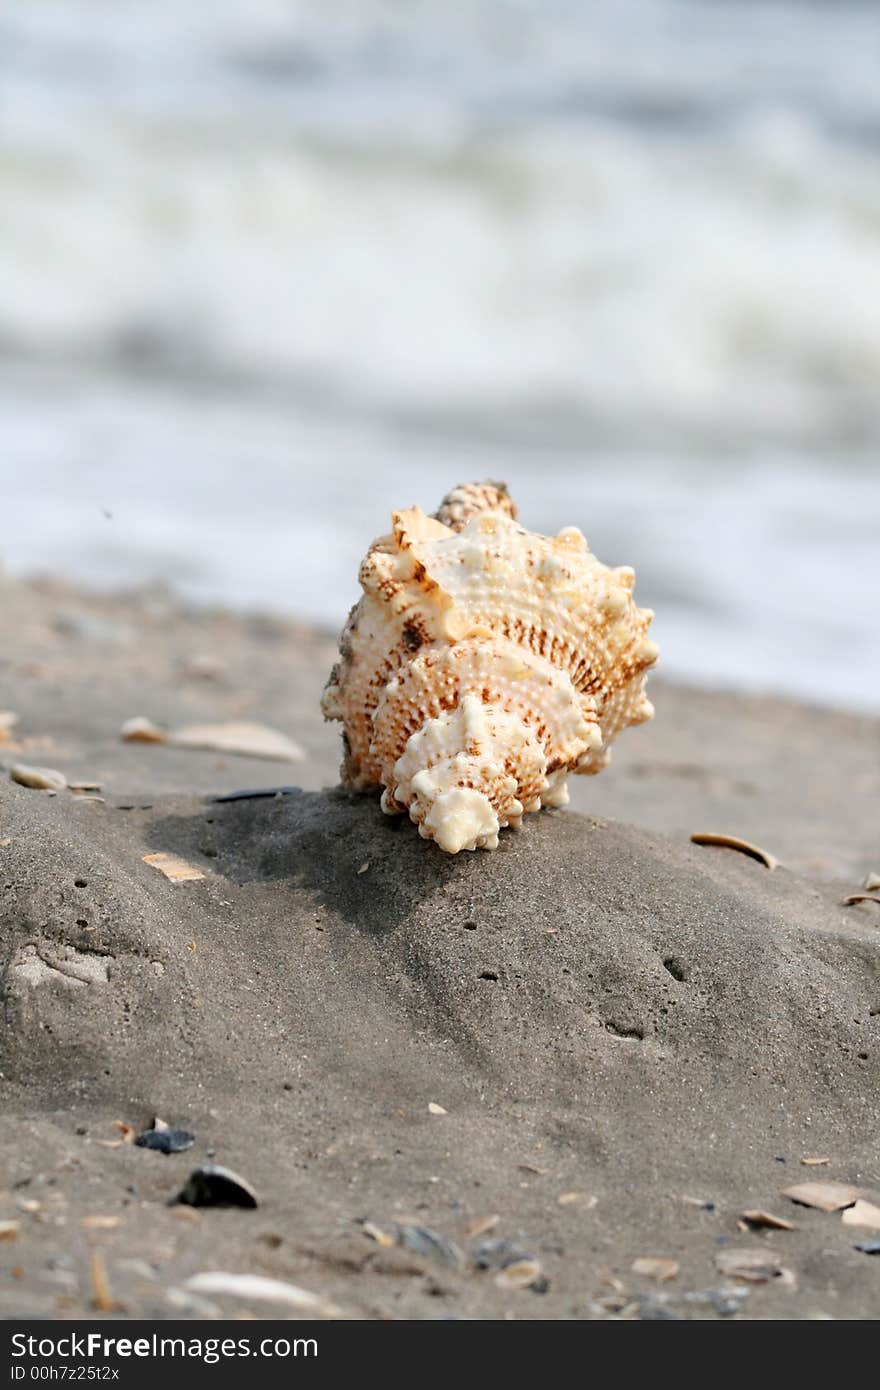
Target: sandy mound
[{"x": 598, "y": 1011}]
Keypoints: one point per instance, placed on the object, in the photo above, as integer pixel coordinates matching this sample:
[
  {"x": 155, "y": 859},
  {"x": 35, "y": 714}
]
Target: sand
[{"x": 654, "y": 1031}]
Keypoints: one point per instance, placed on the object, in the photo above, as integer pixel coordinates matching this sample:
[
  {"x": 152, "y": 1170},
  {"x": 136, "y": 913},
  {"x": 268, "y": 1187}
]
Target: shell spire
[{"x": 482, "y": 666}]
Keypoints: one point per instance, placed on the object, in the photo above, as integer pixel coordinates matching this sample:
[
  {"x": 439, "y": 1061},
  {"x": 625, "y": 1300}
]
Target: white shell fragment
[
  {"x": 482, "y": 666},
  {"x": 258, "y": 1289}
]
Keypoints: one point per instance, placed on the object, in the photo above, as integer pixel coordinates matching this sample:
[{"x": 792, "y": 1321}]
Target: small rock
[
  {"x": 868, "y": 1247},
  {"x": 40, "y": 778},
  {"x": 214, "y": 1186},
  {"x": 165, "y": 1140}
]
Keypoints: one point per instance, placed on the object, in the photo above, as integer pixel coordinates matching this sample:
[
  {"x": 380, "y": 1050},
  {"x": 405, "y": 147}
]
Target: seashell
[{"x": 483, "y": 665}]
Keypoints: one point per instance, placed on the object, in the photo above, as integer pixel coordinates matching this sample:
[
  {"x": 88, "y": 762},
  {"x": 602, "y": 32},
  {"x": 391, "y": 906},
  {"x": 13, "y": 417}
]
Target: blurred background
[{"x": 270, "y": 269}]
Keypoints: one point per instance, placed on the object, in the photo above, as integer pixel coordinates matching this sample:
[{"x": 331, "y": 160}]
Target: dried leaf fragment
[
  {"x": 734, "y": 842},
  {"x": 174, "y": 868},
  {"x": 854, "y": 898},
  {"x": 246, "y": 739},
  {"x": 655, "y": 1267},
  {"x": 757, "y": 1217},
  {"x": 826, "y": 1196},
  {"x": 862, "y": 1214}
]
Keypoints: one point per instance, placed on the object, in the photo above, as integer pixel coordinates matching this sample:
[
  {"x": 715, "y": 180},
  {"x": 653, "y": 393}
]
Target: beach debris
[
  {"x": 655, "y": 1267},
  {"x": 102, "y": 1299},
  {"x": 815, "y": 1162},
  {"x": 871, "y": 881},
  {"x": 704, "y": 1203},
  {"x": 6, "y": 842},
  {"x": 533, "y": 1168},
  {"x": 84, "y": 788},
  {"x": 481, "y": 1226},
  {"x": 384, "y": 1238},
  {"x": 173, "y": 867},
  {"x": 8, "y": 721},
  {"x": 239, "y": 737},
  {"x": 852, "y": 898},
  {"x": 521, "y": 1270},
  {"x": 212, "y": 1185},
  {"x": 826, "y": 1196},
  {"x": 522, "y": 1274},
  {"x": 586, "y": 1200},
  {"x": 39, "y": 778},
  {"x": 862, "y": 1213},
  {"x": 515, "y": 1268},
  {"x": 364, "y": 867},
  {"x": 256, "y": 794},
  {"x": 753, "y": 1266},
  {"x": 256, "y": 1288},
  {"x": 142, "y": 730},
  {"x": 757, "y": 1217},
  {"x": 435, "y": 1109},
  {"x": 100, "y": 1223},
  {"x": 126, "y": 1136},
  {"x": 421, "y": 1240},
  {"x": 482, "y": 666},
  {"x": 187, "y": 1214},
  {"x": 165, "y": 1139},
  {"x": 9, "y": 1230},
  {"x": 700, "y": 837},
  {"x": 868, "y": 1247}
]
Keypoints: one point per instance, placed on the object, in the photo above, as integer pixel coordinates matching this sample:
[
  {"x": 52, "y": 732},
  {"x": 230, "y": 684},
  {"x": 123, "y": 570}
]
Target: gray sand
[{"x": 599, "y": 1009}]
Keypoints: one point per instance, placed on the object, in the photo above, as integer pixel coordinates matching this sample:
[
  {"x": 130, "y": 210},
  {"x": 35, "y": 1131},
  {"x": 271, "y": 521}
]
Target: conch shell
[{"x": 482, "y": 665}]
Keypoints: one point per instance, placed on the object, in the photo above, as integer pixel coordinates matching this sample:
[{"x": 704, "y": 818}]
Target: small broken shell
[
  {"x": 40, "y": 778},
  {"x": 825, "y": 1196},
  {"x": 734, "y": 842}
]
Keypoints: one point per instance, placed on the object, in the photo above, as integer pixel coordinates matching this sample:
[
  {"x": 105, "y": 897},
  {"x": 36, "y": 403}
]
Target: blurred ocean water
[{"x": 268, "y": 270}]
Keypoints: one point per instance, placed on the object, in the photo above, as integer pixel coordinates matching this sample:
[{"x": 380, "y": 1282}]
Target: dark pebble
[
  {"x": 213, "y": 1186},
  {"x": 166, "y": 1141},
  {"x": 868, "y": 1247}
]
